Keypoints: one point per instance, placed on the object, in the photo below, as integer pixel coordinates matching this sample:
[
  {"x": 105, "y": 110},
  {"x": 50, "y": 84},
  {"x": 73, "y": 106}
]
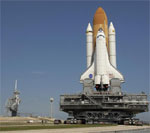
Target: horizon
[{"x": 43, "y": 46}]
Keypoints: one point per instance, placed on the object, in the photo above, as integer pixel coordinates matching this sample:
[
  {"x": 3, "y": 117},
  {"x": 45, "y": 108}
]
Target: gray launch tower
[
  {"x": 102, "y": 99},
  {"x": 13, "y": 102}
]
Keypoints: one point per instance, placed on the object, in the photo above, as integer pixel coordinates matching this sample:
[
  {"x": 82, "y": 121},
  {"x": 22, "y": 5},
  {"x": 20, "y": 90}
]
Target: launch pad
[{"x": 102, "y": 99}]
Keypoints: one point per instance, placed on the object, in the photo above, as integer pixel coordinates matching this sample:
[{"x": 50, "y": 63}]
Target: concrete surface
[
  {"x": 109, "y": 129},
  {"x": 23, "y": 119}
]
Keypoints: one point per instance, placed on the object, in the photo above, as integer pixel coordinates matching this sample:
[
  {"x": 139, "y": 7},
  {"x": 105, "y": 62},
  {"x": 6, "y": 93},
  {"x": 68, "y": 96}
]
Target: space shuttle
[{"x": 101, "y": 52}]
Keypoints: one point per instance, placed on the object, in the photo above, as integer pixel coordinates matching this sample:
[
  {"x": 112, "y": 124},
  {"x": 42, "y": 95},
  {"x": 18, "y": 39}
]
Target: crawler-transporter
[{"x": 103, "y": 106}]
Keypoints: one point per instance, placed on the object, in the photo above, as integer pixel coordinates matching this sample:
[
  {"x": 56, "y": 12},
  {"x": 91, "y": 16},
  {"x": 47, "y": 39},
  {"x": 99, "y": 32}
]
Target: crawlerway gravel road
[{"x": 109, "y": 129}]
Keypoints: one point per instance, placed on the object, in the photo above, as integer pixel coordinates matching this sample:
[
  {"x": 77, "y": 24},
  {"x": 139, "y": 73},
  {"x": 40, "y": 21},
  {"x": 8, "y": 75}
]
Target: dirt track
[{"x": 83, "y": 130}]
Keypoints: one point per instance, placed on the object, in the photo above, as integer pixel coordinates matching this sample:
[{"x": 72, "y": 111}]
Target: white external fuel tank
[
  {"x": 112, "y": 45},
  {"x": 89, "y": 45}
]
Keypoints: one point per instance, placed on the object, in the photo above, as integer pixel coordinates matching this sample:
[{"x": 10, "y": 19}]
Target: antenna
[{"x": 15, "y": 85}]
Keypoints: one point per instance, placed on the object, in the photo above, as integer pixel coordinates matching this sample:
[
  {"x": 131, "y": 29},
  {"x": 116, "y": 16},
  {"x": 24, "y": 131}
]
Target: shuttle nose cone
[
  {"x": 100, "y": 30},
  {"x": 100, "y": 33}
]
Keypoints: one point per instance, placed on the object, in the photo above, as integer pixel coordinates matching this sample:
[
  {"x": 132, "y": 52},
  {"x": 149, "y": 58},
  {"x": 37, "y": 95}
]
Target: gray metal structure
[
  {"x": 110, "y": 105},
  {"x": 13, "y": 102}
]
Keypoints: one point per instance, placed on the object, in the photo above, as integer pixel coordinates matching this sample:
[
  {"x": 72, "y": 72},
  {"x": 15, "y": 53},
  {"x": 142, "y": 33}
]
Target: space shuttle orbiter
[{"x": 101, "y": 52}]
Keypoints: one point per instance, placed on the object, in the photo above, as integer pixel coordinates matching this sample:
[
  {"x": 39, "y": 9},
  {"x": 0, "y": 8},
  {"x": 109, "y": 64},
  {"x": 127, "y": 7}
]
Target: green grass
[{"x": 14, "y": 128}]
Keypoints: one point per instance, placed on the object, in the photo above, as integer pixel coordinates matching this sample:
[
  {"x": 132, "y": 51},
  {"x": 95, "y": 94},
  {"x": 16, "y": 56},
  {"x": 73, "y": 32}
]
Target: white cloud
[{"x": 38, "y": 72}]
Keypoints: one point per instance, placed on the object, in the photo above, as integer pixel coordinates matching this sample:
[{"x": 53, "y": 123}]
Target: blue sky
[{"x": 43, "y": 46}]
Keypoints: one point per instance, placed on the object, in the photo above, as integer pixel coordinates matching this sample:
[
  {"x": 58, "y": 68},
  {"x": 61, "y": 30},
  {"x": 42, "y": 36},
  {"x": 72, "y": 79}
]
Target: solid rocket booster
[
  {"x": 100, "y": 21},
  {"x": 89, "y": 44},
  {"x": 112, "y": 45}
]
